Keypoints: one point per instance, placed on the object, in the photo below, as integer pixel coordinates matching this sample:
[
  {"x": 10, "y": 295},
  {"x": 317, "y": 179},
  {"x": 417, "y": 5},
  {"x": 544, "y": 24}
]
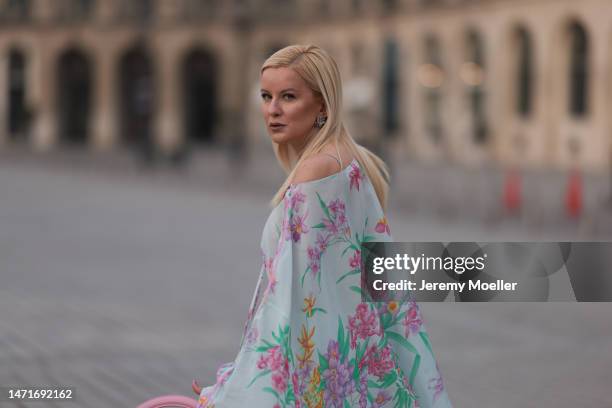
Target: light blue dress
[{"x": 309, "y": 340}]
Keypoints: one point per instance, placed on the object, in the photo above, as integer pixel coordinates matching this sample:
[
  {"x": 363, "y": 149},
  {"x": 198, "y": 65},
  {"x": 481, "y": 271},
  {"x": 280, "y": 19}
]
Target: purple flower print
[
  {"x": 356, "y": 176},
  {"x": 363, "y": 324},
  {"x": 363, "y": 388},
  {"x": 301, "y": 376},
  {"x": 381, "y": 399},
  {"x": 338, "y": 379},
  {"x": 412, "y": 321},
  {"x": 297, "y": 227}
]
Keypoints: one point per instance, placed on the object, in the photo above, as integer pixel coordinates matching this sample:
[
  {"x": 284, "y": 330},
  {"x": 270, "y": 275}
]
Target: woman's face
[{"x": 288, "y": 105}]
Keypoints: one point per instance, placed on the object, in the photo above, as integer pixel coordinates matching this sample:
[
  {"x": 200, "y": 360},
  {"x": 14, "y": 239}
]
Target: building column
[
  {"x": 168, "y": 135},
  {"x": 104, "y": 118},
  {"x": 41, "y": 93},
  {"x": 597, "y": 144}
]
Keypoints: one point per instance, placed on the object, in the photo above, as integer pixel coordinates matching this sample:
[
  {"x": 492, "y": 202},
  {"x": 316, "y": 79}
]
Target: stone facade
[{"x": 512, "y": 82}]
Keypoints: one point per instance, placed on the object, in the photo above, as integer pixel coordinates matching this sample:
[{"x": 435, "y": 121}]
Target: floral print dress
[{"x": 309, "y": 340}]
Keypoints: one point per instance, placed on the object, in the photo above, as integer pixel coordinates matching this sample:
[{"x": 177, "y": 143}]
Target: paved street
[{"x": 127, "y": 285}]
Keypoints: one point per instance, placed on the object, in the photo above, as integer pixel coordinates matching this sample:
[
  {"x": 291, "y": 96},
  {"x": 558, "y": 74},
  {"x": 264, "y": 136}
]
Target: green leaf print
[
  {"x": 324, "y": 207},
  {"x": 425, "y": 339},
  {"x": 401, "y": 340},
  {"x": 264, "y": 372},
  {"x": 415, "y": 368}
]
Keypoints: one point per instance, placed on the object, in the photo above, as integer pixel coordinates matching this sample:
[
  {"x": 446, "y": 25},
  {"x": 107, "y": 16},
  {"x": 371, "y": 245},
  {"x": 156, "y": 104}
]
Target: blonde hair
[{"x": 320, "y": 72}]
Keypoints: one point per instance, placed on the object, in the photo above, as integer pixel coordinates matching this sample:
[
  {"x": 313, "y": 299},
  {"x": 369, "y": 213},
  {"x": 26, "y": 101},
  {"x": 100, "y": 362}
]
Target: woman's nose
[{"x": 274, "y": 108}]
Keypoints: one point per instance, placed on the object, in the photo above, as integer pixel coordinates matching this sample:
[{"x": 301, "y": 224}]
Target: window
[
  {"x": 578, "y": 70},
  {"x": 524, "y": 78},
  {"x": 390, "y": 87}
]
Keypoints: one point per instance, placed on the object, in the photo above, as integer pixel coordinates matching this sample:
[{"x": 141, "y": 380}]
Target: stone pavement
[{"x": 126, "y": 284}]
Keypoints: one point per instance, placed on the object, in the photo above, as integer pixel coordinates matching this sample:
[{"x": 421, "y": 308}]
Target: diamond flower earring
[{"x": 320, "y": 121}]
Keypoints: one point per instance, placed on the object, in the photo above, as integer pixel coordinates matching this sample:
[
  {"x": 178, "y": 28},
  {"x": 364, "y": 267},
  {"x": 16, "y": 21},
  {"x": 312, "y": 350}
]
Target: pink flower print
[
  {"x": 279, "y": 382},
  {"x": 252, "y": 336},
  {"x": 341, "y": 220},
  {"x": 322, "y": 242},
  {"x": 412, "y": 321},
  {"x": 437, "y": 385},
  {"x": 356, "y": 176},
  {"x": 223, "y": 373},
  {"x": 336, "y": 207},
  {"x": 355, "y": 260},
  {"x": 314, "y": 257},
  {"x": 380, "y": 362},
  {"x": 296, "y": 199},
  {"x": 262, "y": 363},
  {"x": 294, "y": 380},
  {"x": 383, "y": 226},
  {"x": 297, "y": 227},
  {"x": 269, "y": 268},
  {"x": 363, "y": 324},
  {"x": 330, "y": 226},
  {"x": 273, "y": 359}
]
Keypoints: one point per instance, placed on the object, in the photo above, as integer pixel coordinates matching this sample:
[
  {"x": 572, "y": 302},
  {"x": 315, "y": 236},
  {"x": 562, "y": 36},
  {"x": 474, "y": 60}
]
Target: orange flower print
[
  {"x": 392, "y": 307},
  {"x": 307, "y": 344},
  {"x": 309, "y": 303}
]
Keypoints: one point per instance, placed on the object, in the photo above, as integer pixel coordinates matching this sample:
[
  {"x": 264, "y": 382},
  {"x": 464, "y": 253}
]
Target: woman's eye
[
  {"x": 289, "y": 96},
  {"x": 265, "y": 96}
]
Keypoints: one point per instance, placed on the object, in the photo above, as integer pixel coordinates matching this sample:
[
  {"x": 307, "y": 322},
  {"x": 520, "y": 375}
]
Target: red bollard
[
  {"x": 512, "y": 191},
  {"x": 573, "y": 198}
]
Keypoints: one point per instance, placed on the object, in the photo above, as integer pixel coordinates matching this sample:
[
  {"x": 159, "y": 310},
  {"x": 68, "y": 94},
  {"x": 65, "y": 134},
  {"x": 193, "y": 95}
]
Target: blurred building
[{"x": 522, "y": 83}]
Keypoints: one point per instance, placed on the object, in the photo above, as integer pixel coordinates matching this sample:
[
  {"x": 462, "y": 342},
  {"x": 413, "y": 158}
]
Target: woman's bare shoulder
[{"x": 315, "y": 167}]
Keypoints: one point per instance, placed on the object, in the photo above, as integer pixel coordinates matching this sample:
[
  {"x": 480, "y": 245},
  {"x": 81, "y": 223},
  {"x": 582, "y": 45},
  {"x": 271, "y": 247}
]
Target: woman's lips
[{"x": 277, "y": 126}]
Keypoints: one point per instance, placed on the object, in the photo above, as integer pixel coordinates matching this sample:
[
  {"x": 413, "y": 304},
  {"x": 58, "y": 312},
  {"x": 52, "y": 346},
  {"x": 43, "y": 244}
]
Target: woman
[{"x": 309, "y": 341}]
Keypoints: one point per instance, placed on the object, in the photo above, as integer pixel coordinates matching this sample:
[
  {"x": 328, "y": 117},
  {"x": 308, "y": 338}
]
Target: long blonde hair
[{"x": 320, "y": 72}]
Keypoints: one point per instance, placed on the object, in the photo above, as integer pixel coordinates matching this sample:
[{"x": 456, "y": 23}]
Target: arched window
[
  {"x": 17, "y": 111},
  {"x": 578, "y": 70},
  {"x": 74, "y": 86},
  {"x": 473, "y": 75},
  {"x": 199, "y": 79},
  {"x": 524, "y": 73}
]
